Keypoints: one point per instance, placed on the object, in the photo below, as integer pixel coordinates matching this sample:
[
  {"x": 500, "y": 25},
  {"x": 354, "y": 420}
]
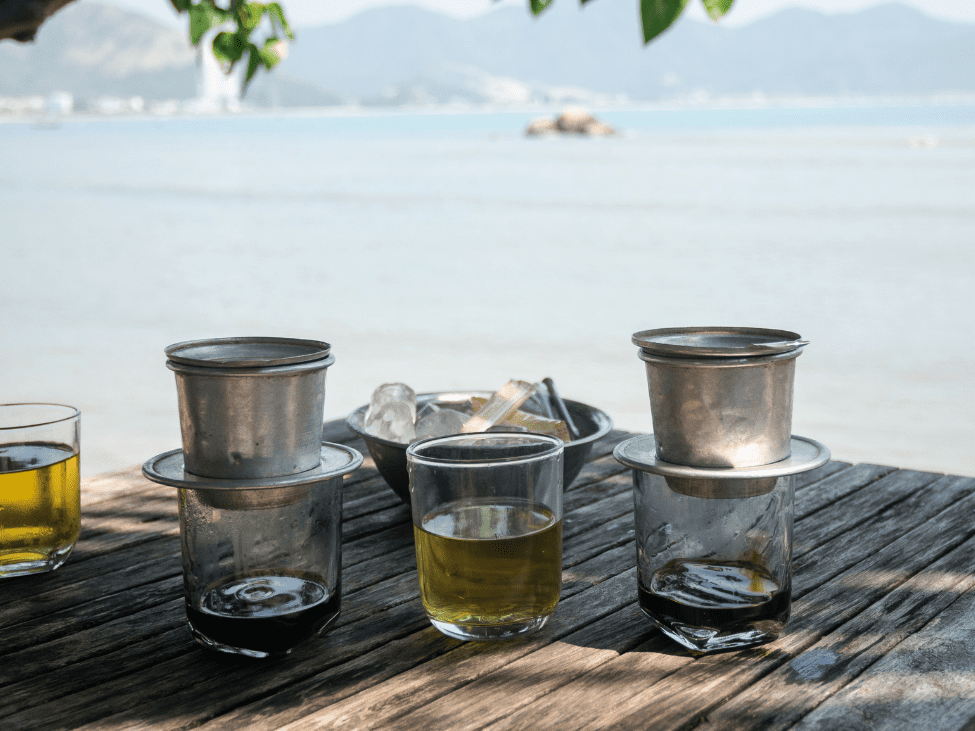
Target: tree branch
[{"x": 20, "y": 19}]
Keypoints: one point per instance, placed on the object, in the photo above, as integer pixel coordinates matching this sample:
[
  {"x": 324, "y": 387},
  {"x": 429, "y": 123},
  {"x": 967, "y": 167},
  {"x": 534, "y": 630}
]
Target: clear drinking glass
[
  {"x": 714, "y": 558},
  {"x": 261, "y": 567},
  {"x": 487, "y": 521},
  {"x": 40, "y": 498}
]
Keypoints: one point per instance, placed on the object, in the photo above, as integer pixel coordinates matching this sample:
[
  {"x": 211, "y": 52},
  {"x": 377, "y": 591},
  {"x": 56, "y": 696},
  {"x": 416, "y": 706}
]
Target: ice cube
[
  {"x": 392, "y": 413},
  {"x": 538, "y": 425},
  {"x": 461, "y": 403},
  {"x": 389, "y": 393},
  {"x": 392, "y": 421},
  {"x": 521, "y": 420},
  {"x": 503, "y": 403},
  {"x": 438, "y": 421}
]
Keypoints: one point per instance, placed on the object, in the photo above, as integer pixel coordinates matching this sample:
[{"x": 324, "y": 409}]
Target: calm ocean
[{"x": 447, "y": 250}]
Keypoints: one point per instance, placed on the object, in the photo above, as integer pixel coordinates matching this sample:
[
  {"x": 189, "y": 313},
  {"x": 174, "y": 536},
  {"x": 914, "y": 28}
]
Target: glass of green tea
[
  {"x": 487, "y": 522},
  {"x": 40, "y": 499}
]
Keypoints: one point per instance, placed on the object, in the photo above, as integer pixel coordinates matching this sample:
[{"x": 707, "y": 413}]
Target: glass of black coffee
[{"x": 261, "y": 568}]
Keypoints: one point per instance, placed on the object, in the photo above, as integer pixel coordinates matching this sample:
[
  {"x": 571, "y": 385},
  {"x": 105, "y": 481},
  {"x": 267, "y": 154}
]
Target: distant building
[
  {"x": 59, "y": 103},
  {"x": 216, "y": 90}
]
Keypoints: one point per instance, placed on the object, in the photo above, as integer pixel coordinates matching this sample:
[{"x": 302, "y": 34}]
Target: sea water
[{"x": 447, "y": 250}]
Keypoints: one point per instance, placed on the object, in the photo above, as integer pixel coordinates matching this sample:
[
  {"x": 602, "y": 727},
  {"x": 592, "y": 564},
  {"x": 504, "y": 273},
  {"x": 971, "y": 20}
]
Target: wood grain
[
  {"x": 925, "y": 682},
  {"x": 883, "y": 615},
  {"x": 788, "y": 694}
]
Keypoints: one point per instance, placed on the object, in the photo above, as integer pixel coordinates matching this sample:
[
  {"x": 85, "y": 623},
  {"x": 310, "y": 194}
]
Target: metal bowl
[{"x": 390, "y": 457}]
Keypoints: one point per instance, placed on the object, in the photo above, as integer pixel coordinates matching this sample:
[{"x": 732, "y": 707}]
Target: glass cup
[
  {"x": 40, "y": 496},
  {"x": 487, "y": 521},
  {"x": 261, "y": 567},
  {"x": 714, "y": 558}
]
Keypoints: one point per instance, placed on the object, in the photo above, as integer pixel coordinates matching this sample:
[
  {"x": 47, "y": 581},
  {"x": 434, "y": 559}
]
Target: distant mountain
[
  {"x": 405, "y": 54},
  {"x": 399, "y": 52},
  {"x": 92, "y": 50}
]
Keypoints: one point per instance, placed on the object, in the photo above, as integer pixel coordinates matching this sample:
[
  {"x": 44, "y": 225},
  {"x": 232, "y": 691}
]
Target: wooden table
[{"x": 882, "y": 633}]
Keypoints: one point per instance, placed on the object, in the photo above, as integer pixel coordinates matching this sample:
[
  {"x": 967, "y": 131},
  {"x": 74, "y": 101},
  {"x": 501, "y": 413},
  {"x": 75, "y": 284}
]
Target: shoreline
[{"x": 747, "y": 103}]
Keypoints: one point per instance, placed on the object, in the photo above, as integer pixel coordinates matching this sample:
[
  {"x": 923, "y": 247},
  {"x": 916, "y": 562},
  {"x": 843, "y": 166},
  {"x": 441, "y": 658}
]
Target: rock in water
[
  {"x": 541, "y": 126},
  {"x": 573, "y": 120}
]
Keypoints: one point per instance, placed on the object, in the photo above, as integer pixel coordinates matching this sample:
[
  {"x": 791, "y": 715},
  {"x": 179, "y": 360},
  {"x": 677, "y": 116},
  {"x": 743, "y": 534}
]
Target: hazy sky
[{"x": 313, "y": 12}]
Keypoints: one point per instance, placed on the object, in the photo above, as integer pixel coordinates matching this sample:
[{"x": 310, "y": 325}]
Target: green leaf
[
  {"x": 272, "y": 53},
  {"x": 539, "y": 5},
  {"x": 250, "y": 15},
  {"x": 277, "y": 16},
  {"x": 717, "y": 8},
  {"x": 203, "y": 17},
  {"x": 253, "y": 62},
  {"x": 181, "y": 5},
  {"x": 658, "y": 15},
  {"x": 229, "y": 47}
]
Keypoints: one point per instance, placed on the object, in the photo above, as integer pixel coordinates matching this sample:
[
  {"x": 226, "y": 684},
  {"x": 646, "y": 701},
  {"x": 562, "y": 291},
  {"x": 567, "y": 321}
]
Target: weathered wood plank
[
  {"x": 104, "y": 627},
  {"x": 318, "y": 692},
  {"x": 71, "y": 607},
  {"x": 100, "y": 624},
  {"x": 116, "y": 639},
  {"x": 393, "y": 538},
  {"x": 813, "y": 477},
  {"x": 204, "y": 695},
  {"x": 375, "y": 522},
  {"x": 38, "y": 690},
  {"x": 214, "y": 681},
  {"x": 571, "y": 706},
  {"x": 77, "y": 625},
  {"x": 523, "y": 681},
  {"x": 926, "y": 682},
  {"x": 368, "y": 496},
  {"x": 384, "y": 643},
  {"x": 690, "y": 693},
  {"x": 105, "y": 549},
  {"x": 853, "y": 509},
  {"x": 120, "y": 641},
  {"x": 89, "y": 643},
  {"x": 378, "y": 705},
  {"x": 824, "y": 492},
  {"x": 604, "y": 533},
  {"x": 384, "y": 597},
  {"x": 100, "y": 577},
  {"x": 825, "y": 606},
  {"x": 598, "y": 480},
  {"x": 621, "y": 555},
  {"x": 393, "y": 563},
  {"x": 579, "y": 519},
  {"x": 820, "y": 565},
  {"x": 616, "y": 501},
  {"x": 783, "y": 697}
]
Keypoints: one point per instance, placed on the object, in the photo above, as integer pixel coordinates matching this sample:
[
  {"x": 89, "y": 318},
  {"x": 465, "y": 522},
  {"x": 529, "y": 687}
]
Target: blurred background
[{"x": 792, "y": 167}]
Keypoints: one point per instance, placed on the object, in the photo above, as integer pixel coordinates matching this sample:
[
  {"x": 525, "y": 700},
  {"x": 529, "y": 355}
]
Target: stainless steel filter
[
  {"x": 250, "y": 407},
  {"x": 720, "y": 397}
]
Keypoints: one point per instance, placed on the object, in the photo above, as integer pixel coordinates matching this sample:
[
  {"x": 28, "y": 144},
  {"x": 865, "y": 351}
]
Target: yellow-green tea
[
  {"x": 489, "y": 562},
  {"x": 40, "y": 511}
]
